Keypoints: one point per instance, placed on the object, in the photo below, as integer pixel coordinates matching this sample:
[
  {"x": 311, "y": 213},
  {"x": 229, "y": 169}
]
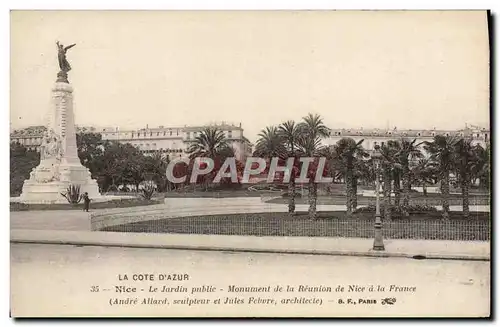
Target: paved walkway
[
  {"x": 303, "y": 245},
  {"x": 69, "y": 220}
]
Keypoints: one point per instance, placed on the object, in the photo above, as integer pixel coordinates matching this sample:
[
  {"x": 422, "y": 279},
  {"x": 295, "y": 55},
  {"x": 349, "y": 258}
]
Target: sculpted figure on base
[{"x": 64, "y": 65}]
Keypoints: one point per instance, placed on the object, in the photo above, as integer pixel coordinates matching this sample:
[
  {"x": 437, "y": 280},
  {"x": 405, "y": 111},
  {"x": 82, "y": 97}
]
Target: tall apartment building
[
  {"x": 175, "y": 141},
  {"x": 31, "y": 137},
  {"x": 372, "y": 137}
]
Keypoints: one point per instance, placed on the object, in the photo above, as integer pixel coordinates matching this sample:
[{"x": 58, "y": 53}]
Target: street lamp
[{"x": 378, "y": 242}]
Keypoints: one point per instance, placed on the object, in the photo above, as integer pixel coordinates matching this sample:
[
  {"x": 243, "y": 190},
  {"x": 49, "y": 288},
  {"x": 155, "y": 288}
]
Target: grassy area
[
  {"x": 118, "y": 203},
  {"x": 431, "y": 199},
  {"x": 329, "y": 224}
]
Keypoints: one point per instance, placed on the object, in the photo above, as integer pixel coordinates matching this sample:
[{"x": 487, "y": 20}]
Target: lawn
[
  {"x": 329, "y": 224},
  {"x": 416, "y": 198}
]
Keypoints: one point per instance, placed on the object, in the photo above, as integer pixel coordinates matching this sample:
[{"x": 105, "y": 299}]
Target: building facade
[
  {"x": 31, "y": 137},
  {"x": 175, "y": 141},
  {"x": 373, "y": 137}
]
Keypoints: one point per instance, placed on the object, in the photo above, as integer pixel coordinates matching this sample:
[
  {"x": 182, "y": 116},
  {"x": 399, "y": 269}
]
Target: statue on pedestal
[
  {"x": 51, "y": 152},
  {"x": 51, "y": 146},
  {"x": 64, "y": 65}
]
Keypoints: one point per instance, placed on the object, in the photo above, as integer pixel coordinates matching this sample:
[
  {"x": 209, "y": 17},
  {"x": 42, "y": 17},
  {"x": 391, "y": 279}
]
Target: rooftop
[{"x": 405, "y": 132}]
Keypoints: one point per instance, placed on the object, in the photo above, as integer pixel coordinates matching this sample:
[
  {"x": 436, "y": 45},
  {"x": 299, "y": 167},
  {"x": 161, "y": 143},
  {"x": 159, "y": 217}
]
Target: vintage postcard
[{"x": 250, "y": 164}]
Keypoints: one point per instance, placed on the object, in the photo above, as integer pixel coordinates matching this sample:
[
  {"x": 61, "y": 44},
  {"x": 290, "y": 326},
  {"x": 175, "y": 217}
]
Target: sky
[{"x": 405, "y": 69}]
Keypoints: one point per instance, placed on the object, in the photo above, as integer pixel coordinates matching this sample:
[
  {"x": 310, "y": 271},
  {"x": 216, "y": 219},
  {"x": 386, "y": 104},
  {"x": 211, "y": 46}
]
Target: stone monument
[{"x": 59, "y": 165}]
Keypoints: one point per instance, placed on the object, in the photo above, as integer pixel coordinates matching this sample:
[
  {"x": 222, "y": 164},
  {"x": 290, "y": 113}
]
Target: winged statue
[{"x": 61, "y": 56}]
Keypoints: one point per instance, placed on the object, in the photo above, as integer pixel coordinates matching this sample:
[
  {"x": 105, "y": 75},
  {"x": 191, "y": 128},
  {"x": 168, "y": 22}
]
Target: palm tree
[
  {"x": 389, "y": 166},
  {"x": 441, "y": 151},
  {"x": 424, "y": 174},
  {"x": 289, "y": 132},
  {"x": 466, "y": 161},
  {"x": 270, "y": 144},
  {"x": 482, "y": 169},
  {"x": 210, "y": 143},
  {"x": 408, "y": 152},
  {"x": 347, "y": 151},
  {"x": 361, "y": 170},
  {"x": 312, "y": 130}
]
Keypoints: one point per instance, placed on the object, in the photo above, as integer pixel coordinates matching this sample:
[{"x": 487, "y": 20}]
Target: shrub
[
  {"x": 398, "y": 211},
  {"x": 148, "y": 190},
  {"x": 73, "y": 194}
]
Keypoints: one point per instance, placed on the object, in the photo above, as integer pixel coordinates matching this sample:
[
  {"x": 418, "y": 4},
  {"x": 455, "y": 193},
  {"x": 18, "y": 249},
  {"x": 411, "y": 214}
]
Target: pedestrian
[{"x": 86, "y": 202}]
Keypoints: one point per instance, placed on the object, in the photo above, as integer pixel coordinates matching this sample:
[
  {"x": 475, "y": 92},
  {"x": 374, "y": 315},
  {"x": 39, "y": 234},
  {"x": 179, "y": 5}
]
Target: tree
[
  {"x": 482, "y": 170},
  {"x": 465, "y": 160},
  {"x": 22, "y": 162},
  {"x": 156, "y": 168},
  {"x": 270, "y": 144},
  {"x": 122, "y": 164},
  {"x": 312, "y": 130},
  {"x": 441, "y": 151},
  {"x": 424, "y": 174},
  {"x": 408, "y": 152},
  {"x": 348, "y": 151},
  {"x": 389, "y": 166},
  {"x": 210, "y": 143},
  {"x": 362, "y": 170},
  {"x": 289, "y": 133},
  {"x": 91, "y": 151}
]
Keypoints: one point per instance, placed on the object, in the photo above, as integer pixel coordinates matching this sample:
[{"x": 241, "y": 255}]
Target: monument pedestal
[{"x": 59, "y": 166}]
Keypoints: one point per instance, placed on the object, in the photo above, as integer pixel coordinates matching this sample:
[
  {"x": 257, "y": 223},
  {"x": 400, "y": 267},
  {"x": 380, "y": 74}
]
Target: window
[
  {"x": 171, "y": 133},
  {"x": 164, "y": 133},
  {"x": 418, "y": 134},
  {"x": 144, "y": 134},
  {"x": 151, "y": 134},
  {"x": 177, "y": 132},
  {"x": 132, "y": 135},
  {"x": 157, "y": 133}
]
